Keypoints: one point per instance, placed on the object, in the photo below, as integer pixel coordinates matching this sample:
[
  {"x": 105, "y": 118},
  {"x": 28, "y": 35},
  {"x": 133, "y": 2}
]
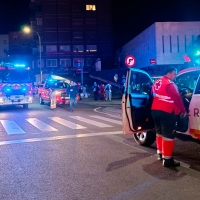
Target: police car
[{"x": 137, "y": 100}]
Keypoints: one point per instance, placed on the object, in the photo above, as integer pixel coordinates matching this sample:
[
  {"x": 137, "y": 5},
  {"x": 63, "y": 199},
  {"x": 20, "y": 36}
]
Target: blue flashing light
[
  {"x": 24, "y": 88},
  {"x": 7, "y": 89},
  {"x": 19, "y": 65}
]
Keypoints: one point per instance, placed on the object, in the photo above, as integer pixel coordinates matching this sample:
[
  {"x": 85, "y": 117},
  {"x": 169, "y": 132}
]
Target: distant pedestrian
[
  {"x": 102, "y": 92},
  {"x": 108, "y": 89},
  {"x": 95, "y": 89},
  {"x": 72, "y": 91}
]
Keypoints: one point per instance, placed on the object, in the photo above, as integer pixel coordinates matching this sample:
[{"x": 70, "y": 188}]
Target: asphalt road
[{"x": 62, "y": 155}]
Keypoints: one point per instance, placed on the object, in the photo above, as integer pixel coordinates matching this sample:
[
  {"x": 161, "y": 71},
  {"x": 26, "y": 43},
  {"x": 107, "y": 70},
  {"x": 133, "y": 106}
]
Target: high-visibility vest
[{"x": 161, "y": 100}]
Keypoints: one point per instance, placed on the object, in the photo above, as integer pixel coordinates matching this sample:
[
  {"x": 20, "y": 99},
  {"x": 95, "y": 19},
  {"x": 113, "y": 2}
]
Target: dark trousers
[{"x": 165, "y": 123}]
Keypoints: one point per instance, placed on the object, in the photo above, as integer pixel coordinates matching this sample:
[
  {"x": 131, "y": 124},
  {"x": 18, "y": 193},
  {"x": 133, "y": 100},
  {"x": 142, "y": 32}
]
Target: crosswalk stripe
[
  {"x": 11, "y": 127},
  {"x": 92, "y": 122},
  {"x": 67, "y": 123},
  {"x": 40, "y": 125},
  {"x": 107, "y": 119}
]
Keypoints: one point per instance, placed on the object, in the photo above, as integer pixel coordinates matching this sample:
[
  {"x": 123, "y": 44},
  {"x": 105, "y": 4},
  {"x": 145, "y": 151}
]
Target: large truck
[{"x": 15, "y": 85}]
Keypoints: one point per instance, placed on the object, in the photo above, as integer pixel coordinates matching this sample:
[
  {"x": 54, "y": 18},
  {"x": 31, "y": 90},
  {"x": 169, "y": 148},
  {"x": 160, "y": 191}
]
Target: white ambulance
[{"x": 137, "y": 100}]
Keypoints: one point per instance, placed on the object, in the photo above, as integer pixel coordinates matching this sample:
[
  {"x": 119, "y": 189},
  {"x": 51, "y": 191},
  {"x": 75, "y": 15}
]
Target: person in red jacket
[{"x": 167, "y": 104}]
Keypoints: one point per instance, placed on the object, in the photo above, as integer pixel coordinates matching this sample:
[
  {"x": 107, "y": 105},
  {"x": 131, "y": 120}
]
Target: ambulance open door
[{"x": 136, "y": 102}]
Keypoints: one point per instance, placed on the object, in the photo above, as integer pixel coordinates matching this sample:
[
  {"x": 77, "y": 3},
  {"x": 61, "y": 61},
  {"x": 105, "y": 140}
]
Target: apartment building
[{"x": 73, "y": 33}]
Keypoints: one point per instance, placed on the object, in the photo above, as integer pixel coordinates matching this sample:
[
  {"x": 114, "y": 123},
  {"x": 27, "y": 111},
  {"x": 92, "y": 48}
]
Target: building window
[
  {"x": 163, "y": 44},
  {"x": 51, "y": 63},
  {"x": 91, "y": 48},
  {"x": 178, "y": 43},
  {"x": 77, "y": 7},
  {"x": 170, "y": 42},
  {"x": 90, "y": 61},
  {"x": 65, "y": 62},
  {"x": 185, "y": 44},
  {"x": 15, "y": 37},
  {"x": 91, "y": 21},
  {"x": 4, "y": 41},
  {"x": 78, "y": 48},
  {"x": 77, "y": 35},
  {"x": 33, "y": 23},
  {"x": 78, "y": 22},
  {"x": 51, "y": 48},
  {"x": 91, "y": 7},
  {"x": 65, "y": 48},
  {"x": 39, "y": 21},
  {"x": 91, "y": 35}
]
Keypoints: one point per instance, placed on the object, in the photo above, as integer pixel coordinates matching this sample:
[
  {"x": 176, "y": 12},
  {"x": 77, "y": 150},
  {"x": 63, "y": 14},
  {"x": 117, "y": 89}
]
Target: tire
[
  {"x": 41, "y": 101},
  {"x": 145, "y": 138},
  {"x": 25, "y": 106}
]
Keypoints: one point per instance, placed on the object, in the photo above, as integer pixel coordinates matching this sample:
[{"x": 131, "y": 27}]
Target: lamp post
[{"x": 28, "y": 30}]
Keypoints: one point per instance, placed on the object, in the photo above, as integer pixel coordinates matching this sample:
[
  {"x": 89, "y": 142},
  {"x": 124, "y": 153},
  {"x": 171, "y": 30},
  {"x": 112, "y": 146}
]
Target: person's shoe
[
  {"x": 159, "y": 155},
  {"x": 170, "y": 163}
]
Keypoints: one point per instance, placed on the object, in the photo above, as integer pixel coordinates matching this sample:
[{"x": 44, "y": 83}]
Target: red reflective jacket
[{"x": 166, "y": 96}]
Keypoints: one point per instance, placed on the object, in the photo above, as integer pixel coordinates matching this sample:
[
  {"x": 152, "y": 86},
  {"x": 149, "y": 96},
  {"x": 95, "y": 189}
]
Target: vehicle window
[
  {"x": 15, "y": 76},
  {"x": 46, "y": 85},
  {"x": 58, "y": 85},
  {"x": 197, "y": 89},
  {"x": 139, "y": 83},
  {"x": 188, "y": 80}
]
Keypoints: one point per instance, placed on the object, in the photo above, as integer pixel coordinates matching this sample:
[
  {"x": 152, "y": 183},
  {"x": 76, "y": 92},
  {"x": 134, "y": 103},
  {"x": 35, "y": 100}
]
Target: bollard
[{"x": 53, "y": 99}]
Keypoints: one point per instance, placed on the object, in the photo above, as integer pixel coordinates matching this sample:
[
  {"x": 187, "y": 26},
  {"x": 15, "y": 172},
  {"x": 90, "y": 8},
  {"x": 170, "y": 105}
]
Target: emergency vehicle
[
  {"x": 15, "y": 85},
  {"x": 137, "y": 100},
  {"x": 58, "y": 85}
]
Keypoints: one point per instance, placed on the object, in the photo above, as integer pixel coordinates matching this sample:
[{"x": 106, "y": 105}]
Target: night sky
[{"x": 130, "y": 17}]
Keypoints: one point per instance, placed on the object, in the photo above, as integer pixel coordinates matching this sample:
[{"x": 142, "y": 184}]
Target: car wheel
[
  {"x": 25, "y": 106},
  {"x": 41, "y": 101},
  {"x": 145, "y": 138}
]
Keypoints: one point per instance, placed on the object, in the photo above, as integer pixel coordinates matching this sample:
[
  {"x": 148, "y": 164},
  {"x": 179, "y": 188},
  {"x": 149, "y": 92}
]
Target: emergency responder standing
[
  {"x": 108, "y": 89},
  {"x": 167, "y": 104},
  {"x": 72, "y": 90}
]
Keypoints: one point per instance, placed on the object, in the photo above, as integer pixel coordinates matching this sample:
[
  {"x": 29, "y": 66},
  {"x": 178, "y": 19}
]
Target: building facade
[
  {"x": 161, "y": 44},
  {"x": 21, "y": 48},
  {"x": 4, "y": 46},
  {"x": 74, "y": 33}
]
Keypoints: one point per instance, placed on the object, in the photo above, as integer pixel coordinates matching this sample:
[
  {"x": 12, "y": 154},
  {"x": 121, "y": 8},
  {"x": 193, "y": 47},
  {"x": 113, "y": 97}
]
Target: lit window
[
  {"x": 65, "y": 48},
  {"x": 78, "y": 48},
  {"x": 51, "y": 48},
  {"x": 91, "y": 7},
  {"x": 91, "y": 48}
]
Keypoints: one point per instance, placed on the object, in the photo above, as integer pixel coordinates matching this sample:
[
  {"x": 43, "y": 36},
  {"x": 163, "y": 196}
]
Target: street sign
[
  {"x": 130, "y": 61},
  {"x": 152, "y": 61}
]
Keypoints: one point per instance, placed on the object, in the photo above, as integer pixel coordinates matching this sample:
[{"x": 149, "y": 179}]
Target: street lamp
[{"x": 28, "y": 30}]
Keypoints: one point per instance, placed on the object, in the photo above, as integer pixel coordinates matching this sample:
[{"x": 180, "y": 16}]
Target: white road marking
[
  {"x": 97, "y": 110},
  {"x": 11, "y": 127},
  {"x": 31, "y": 140},
  {"x": 107, "y": 119},
  {"x": 92, "y": 122},
  {"x": 40, "y": 125},
  {"x": 67, "y": 123}
]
